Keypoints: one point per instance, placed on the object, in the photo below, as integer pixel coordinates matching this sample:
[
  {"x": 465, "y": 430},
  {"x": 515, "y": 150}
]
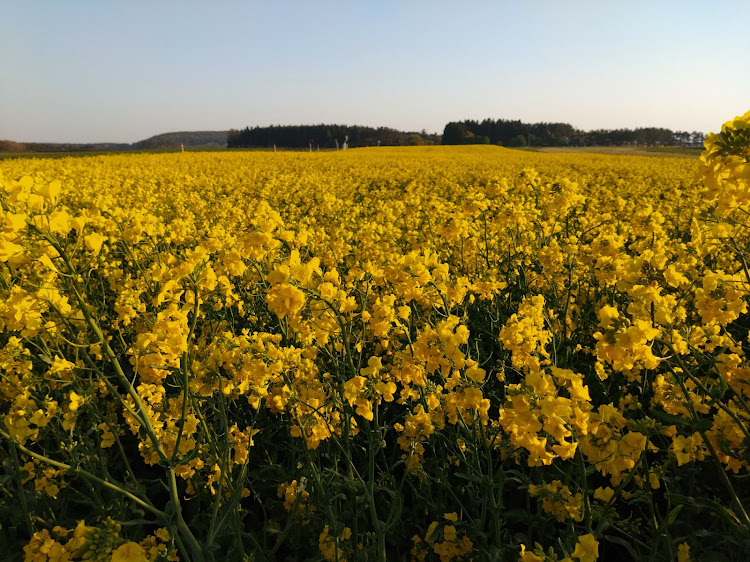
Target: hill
[
  {"x": 165, "y": 141},
  {"x": 190, "y": 139}
]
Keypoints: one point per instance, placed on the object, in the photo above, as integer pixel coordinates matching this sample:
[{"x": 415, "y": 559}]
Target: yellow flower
[
  {"x": 8, "y": 250},
  {"x": 108, "y": 438},
  {"x": 683, "y": 552},
  {"x": 285, "y": 299},
  {"x": 94, "y": 242},
  {"x": 587, "y": 549},
  {"x": 59, "y": 222},
  {"x": 604, "y": 494},
  {"x": 50, "y": 191},
  {"x": 526, "y": 556},
  {"x": 607, "y": 316},
  {"x": 386, "y": 389},
  {"x": 75, "y": 401},
  {"x": 129, "y": 552},
  {"x": 327, "y": 290}
]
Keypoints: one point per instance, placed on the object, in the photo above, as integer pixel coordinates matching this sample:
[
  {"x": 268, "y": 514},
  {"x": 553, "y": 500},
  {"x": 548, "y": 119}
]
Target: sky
[{"x": 124, "y": 70}]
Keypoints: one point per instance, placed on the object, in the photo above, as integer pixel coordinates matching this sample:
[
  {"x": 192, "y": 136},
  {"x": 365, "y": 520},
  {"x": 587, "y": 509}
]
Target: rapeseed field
[{"x": 427, "y": 353}]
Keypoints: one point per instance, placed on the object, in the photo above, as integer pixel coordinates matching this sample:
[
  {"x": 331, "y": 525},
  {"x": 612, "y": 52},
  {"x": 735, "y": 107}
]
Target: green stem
[
  {"x": 181, "y": 524},
  {"x": 714, "y": 456},
  {"x": 85, "y": 474},
  {"x": 143, "y": 419},
  {"x": 706, "y": 392},
  {"x": 585, "y": 488},
  {"x": 21, "y": 491},
  {"x": 186, "y": 368}
]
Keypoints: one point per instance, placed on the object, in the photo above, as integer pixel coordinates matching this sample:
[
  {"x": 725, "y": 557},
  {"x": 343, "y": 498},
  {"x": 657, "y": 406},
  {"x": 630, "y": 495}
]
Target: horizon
[{"x": 85, "y": 72}]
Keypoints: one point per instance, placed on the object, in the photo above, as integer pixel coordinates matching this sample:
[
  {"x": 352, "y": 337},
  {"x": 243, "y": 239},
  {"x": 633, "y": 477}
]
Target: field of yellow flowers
[{"x": 432, "y": 353}]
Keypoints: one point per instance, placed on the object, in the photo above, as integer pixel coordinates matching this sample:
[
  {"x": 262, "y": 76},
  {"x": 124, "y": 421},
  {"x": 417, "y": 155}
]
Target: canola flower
[{"x": 450, "y": 352}]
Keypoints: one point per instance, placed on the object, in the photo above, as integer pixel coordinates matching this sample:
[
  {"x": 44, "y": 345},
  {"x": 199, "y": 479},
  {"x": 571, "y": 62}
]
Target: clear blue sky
[{"x": 121, "y": 71}]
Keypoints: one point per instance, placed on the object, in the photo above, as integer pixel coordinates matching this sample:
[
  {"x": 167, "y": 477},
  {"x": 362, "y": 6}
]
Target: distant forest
[
  {"x": 324, "y": 137},
  {"x": 11, "y": 146},
  {"x": 501, "y": 132},
  {"x": 517, "y": 133}
]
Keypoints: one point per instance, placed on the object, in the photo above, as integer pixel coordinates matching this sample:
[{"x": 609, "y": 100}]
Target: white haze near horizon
[{"x": 122, "y": 71}]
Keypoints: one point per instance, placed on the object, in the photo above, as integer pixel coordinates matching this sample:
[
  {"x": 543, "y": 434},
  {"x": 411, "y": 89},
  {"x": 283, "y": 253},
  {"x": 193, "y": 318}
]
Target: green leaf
[
  {"x": 703, "y": 503},
  {"x": 668, "y": 418},
  {"x": 673, "y": 515},
  {"x": 470, "y": 477},
  {"x": 624, "y": 544},
  {"x": 229, "y": 507}
]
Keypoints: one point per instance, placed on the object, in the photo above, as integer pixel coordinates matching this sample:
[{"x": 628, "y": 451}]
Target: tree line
[
  {"x": 503, "y": 132},
  {"x": 516, "y": 133},
  {"x": 325, "y": 137},
  {"x": 12, "y": 146}
]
